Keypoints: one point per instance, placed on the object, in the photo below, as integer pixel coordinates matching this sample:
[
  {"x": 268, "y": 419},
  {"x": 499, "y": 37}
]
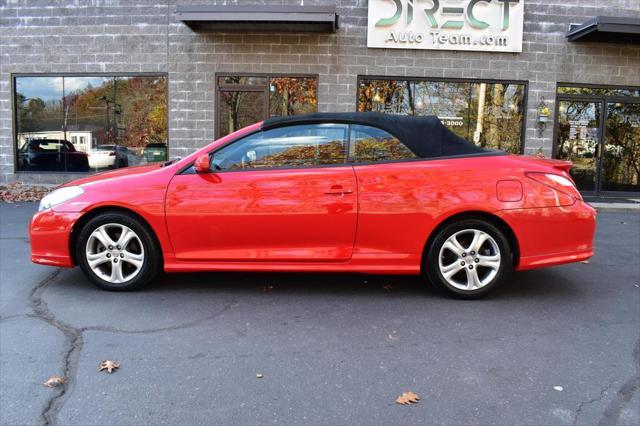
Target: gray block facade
[{"x": 137, "y": 36}]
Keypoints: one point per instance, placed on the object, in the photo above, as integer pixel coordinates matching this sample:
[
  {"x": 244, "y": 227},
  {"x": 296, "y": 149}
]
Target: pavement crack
[
  {"x": 73, "y": 345},
  {"x": 17, "y": 316},
  {"x": 162, "y": 329},
  {"x": 603, "y": 393},
  {"x": 625, "y": 394}
]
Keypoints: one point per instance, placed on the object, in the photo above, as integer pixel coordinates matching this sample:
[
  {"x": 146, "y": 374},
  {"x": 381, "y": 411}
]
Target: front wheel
[
  {"x": 117, "y": 252},
  {"x": 469, "y": 258}
]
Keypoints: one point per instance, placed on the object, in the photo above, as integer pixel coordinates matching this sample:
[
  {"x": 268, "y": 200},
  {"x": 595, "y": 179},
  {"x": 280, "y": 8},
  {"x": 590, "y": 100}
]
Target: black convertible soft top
[{"x": 426, "y": 136}]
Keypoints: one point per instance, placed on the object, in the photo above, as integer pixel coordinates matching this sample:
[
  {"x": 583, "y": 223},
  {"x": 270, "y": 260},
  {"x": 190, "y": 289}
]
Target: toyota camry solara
[{"x": 367, "y": 193}]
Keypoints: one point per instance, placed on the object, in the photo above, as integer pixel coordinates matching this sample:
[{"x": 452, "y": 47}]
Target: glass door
[
  {"x": 578, "y": 139},
  {"x": 620, "y": 170}
]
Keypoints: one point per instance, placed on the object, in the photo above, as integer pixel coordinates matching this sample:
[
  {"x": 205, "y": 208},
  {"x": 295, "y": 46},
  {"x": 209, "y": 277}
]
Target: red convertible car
[{"x": 352, "y": 192}]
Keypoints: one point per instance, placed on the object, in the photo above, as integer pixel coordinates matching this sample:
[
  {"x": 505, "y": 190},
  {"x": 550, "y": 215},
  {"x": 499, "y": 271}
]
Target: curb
[{"x": 616, "y": 207}]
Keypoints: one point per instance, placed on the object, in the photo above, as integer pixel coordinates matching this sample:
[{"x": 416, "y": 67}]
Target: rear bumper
[
  {"x": 49, "y": 234},
  {"x": 552, "y": 236}
]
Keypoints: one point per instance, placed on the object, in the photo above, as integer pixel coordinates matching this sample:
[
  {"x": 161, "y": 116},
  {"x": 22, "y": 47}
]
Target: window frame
[
  {"x": 525, "y": 100},
  {"x": 256, "y": 88},
  {"x": 14, "y": 109}
]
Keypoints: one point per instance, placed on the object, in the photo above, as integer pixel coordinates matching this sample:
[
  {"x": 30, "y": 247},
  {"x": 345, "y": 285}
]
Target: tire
[
  {"x": 453, "y": 268},
  {"x": 137, "y": 261}
]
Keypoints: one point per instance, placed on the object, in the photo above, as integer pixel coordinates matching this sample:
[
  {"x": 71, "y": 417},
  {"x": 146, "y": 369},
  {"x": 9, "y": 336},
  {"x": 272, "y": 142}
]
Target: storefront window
[
  {"x": 487, "y": 113},
  {"x": 89, "y": 123},
  {"x": 243, "y": 100}
]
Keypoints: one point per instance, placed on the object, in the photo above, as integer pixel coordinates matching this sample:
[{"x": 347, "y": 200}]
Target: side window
[
  {"x": 369, "y": 145},
  {"x": 292, "y": 146}
]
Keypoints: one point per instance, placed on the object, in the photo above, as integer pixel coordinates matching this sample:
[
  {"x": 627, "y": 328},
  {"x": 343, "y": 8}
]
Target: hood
[{"x": 126, "y": 171}]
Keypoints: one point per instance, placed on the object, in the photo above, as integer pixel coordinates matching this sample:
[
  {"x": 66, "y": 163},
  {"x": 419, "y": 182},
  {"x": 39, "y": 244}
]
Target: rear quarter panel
[{"x": 401, "y": 203}]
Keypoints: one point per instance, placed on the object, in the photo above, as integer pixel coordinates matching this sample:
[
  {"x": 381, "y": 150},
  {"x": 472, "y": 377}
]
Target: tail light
[{"x": 557, "y": 183}]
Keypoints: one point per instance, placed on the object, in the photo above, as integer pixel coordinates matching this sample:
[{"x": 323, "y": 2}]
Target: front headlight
[{"x": 59, "y": 196}]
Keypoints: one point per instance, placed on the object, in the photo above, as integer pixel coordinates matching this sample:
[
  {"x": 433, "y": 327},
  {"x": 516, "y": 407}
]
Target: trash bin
[{"x": 154, "y": 152}]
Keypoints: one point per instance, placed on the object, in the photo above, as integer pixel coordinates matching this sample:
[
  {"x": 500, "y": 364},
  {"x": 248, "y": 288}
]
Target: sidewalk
[{"x": 620, "y": 204}]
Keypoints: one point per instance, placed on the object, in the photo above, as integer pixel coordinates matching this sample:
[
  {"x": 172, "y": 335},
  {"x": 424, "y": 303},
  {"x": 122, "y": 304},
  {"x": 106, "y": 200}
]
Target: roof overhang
[
  {"x": 607, "y": 29},
  {"x": 259, "y": 18}
]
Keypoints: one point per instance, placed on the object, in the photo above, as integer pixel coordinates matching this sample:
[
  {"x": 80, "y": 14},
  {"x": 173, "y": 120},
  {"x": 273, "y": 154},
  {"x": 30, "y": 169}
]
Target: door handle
[{"x": 338, "y": 190}]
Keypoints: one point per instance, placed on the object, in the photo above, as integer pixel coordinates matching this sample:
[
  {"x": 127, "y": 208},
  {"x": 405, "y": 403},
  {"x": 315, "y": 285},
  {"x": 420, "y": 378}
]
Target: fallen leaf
[
  {"x": 586, "y": 262},
  {"x": 558, "y": 388},
  {"x": 267, "y": 288},
  {"x": 15, "y": 192},
  {"x": 54, "y": 381},
  {"x": 387, "y": 287},
  {"x": 407, "y": 398},
  {"x": 392, "y": 337},
  {"x": 259, "y": 376},
  {"x": 109, "y": 366}
]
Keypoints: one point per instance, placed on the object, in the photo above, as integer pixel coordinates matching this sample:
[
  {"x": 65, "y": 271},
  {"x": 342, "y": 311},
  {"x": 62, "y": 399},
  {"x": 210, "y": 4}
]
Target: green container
[{"x": 155, "y": 152}]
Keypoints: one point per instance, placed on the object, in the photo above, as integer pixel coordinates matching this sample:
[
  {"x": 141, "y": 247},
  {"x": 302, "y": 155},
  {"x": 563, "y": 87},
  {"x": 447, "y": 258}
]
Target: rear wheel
[
  {"x": 469, "y": 258},
  {"x": 117, "y": 252}
]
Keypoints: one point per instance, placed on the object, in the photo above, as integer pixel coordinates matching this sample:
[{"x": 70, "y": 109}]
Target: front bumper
[
  {"x": 49, "y": 234},
  {"x": 552, "y": 236}
]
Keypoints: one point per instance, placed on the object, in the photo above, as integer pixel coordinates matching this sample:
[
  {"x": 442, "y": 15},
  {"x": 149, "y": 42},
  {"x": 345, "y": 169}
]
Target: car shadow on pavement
[{"x": 548, "y": 283}]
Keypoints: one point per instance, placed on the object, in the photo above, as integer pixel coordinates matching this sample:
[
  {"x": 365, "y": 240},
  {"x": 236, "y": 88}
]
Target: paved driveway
[{"x": 331, "y": 349}]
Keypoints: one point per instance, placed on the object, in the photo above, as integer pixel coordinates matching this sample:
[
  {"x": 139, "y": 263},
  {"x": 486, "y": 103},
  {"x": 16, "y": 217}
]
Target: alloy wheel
[
  {"x": 469, "y": 259},
  {"x": 115, "y": 253}
]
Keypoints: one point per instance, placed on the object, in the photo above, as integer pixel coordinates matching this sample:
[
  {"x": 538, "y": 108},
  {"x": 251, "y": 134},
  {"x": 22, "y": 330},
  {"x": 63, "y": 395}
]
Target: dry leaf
[
  {"x": 407, "y": 398},
  {"x": 54, "y": 381},
  {"x": 15, "y": 192},
  {"x": 267, "y": 288},
  {"x": 109, "y": 366},
  {"x": 387, "y": 287},
  {"x": 586, "y": 262},
  {"x": 558, "y": 388},
  {"x": 259, "y": 376}
]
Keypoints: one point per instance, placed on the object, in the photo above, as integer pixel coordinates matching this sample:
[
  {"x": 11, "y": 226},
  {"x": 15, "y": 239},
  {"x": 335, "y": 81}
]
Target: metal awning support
[
  {"x": 607, "y": 29},
  {"x": 259, "y": 18}
]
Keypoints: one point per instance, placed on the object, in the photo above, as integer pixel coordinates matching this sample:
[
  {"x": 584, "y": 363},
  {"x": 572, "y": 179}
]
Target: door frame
[
  {"x": 258, "y": 88},
  {"x": 603, "y": 101}
]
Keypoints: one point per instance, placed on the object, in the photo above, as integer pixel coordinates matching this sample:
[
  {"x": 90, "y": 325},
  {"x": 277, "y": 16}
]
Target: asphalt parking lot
[{"x": 330, "y": 349}]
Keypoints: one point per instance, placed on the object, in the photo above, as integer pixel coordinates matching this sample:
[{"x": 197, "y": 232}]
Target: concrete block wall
[{"x": 103, "y": 36}]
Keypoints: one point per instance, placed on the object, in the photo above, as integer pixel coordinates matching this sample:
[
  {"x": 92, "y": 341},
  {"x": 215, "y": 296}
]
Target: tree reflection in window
[
  {"x": 369, "y": 145},
  {"x": 621, "y": 163},
  {"x": 292, "y": 146},
  {"x": 248, "y": 99},
  {"x": 110, "y": 121},
  {"x": 489, "y": 114}
]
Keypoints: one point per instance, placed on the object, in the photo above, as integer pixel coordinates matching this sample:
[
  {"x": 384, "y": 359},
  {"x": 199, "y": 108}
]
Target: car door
[
  {"x": 284, "y": 194},
  {"x": 393, "y": 188}
]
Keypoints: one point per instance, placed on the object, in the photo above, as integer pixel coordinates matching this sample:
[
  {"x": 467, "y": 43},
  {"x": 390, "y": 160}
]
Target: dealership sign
[{"x": 479, "y": 25}]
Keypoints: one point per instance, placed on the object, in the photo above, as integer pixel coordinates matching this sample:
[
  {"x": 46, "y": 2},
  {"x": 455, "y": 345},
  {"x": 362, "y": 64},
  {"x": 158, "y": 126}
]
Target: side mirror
[{"x": 203, "y": 164}]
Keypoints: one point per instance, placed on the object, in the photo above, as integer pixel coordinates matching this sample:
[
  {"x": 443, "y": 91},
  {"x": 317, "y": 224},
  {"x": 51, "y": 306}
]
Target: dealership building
[{"x": 90, "y": 85}]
